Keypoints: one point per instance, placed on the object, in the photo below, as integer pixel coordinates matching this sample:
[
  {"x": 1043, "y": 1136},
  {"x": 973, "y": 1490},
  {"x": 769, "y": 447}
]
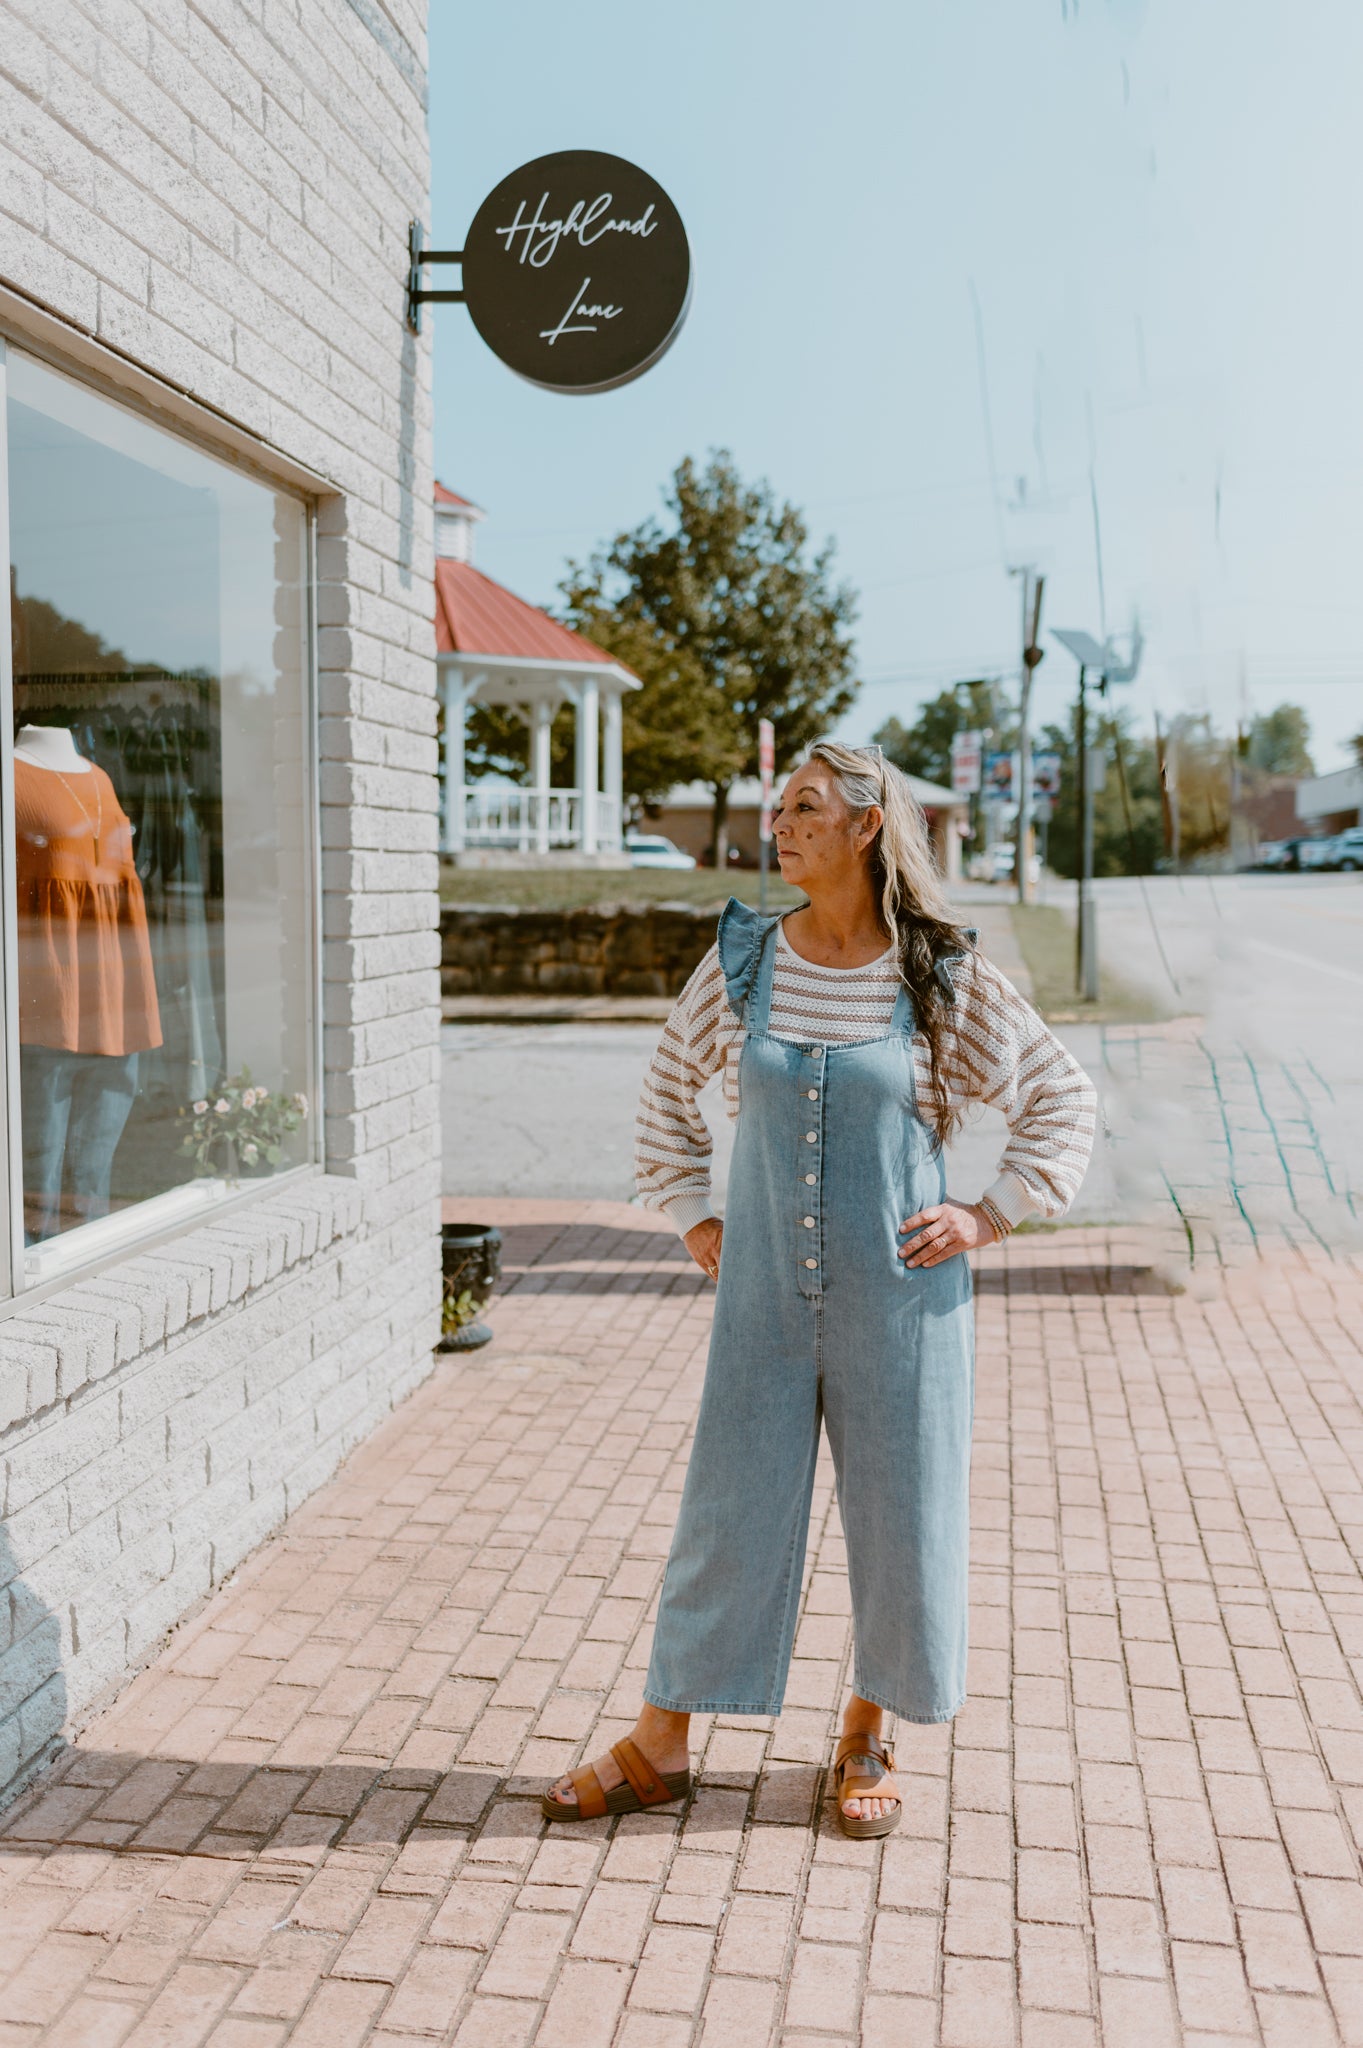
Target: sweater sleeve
[
  {"x": 672, "y": 1143},
  {"x": 1002, "y": 1054}
]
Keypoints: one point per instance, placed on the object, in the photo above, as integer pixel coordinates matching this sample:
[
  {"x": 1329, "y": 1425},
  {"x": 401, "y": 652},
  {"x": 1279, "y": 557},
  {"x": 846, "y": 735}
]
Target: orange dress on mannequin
[{"x": 85, "y": 973}]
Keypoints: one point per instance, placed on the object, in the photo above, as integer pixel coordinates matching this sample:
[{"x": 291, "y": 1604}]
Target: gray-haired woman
[{"x": 852, "y": 1034}]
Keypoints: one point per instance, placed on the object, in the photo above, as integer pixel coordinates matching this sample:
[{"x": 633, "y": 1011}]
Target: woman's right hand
[{"x": 703, "y": 1241}]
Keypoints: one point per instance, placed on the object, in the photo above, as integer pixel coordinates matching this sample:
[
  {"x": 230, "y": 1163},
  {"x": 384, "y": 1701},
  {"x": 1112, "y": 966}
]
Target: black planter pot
[{"x": 470, "y": 1260}]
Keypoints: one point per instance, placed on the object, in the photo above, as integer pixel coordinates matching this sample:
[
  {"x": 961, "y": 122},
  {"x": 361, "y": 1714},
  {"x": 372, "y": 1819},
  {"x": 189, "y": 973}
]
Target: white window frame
[{"x": 99, "y": 1245}]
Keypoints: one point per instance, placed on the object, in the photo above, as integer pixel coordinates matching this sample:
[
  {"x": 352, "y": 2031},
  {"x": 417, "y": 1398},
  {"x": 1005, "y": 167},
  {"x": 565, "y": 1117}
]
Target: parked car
[
  {"x": 1003, "y": 859},
  {"x": 651, "y": 850},
  {"x": 1279, "y": 856},
  {"x": 1348, "y": 850},
  {"x": 1317, "y": 853}
]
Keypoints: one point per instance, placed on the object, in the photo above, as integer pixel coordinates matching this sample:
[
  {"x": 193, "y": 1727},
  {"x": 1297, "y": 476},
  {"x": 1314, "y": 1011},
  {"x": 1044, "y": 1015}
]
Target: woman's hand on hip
[
  {"x": 703, "y": 1241},
  {"x": 943, "y": 1231}
]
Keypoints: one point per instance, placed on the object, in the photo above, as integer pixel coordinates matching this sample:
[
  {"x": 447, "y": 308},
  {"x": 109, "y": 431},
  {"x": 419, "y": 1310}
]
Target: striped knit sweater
[{"x": 998, "y": 1052}]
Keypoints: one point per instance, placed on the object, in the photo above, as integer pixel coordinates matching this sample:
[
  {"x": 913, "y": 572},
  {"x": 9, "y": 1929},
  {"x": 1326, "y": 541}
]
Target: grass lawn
[
  {"x": 576, "y": 888},
  {"x": 1046, "y": 938}
]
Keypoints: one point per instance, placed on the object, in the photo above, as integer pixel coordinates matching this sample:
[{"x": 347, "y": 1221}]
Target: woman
[{"x": 853, "y": 1033}]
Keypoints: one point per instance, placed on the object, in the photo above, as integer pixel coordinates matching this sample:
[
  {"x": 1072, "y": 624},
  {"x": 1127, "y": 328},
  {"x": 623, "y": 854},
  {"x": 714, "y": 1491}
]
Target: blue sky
[{"x": 960, "y": 269}]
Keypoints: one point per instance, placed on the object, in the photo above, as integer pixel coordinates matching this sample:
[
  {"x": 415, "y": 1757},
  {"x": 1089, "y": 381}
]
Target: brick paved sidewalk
[{"x": 315, "y": 1820}]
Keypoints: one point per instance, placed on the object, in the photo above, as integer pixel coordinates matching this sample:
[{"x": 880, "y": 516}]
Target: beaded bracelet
[{"x": 1002, "y": 1227}]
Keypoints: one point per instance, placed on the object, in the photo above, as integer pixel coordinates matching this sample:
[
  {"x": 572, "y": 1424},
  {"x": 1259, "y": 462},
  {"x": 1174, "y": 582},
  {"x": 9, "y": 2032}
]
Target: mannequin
[
  {"x": 51, "y": 747},
  {"x": 87, "y": 997}
]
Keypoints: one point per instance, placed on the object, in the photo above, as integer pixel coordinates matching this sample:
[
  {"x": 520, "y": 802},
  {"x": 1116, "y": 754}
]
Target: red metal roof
[
  {"x": 444, "y": 497},
  {"x": 474, "y": 615}
]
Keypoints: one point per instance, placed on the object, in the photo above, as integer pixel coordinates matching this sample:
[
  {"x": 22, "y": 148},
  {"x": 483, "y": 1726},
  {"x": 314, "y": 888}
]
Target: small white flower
[
  {"x": 300, "y": 1103},
  {"x": 249, "y": 1154},
  {"x": 221, "y": 1106},
  {"x": 200, "y": 1109}
]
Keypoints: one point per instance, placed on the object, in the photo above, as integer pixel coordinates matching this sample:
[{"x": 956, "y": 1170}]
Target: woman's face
[{"x": 819, "y": 843}]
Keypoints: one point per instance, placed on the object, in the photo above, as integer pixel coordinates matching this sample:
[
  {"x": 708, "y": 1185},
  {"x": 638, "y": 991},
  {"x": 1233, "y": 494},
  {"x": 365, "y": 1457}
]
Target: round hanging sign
[{"x": 577, "y": 272}]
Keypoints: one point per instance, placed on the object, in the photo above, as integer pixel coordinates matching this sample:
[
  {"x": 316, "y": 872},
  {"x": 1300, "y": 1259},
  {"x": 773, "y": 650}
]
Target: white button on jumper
[
  {"x": 811, "y": 1179},
  {"x": 809, "y": 1223},
  {"x": 811, "y": 1137},
  {"x": 811, "y": 1262},
  {"x": 813, "y": 1094}
]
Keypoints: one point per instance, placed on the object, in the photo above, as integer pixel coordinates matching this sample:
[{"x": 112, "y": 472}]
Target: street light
[{"x": 1102, "y": 656}]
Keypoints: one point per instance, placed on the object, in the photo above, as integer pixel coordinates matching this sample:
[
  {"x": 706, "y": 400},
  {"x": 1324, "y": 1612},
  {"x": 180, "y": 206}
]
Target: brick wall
[{"x": 218, "y": 194}]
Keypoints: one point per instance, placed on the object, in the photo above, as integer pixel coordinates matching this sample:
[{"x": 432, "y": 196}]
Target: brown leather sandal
[
  {"x": 865, "y": 1749},
  {"x": 643, "y": 1787}
]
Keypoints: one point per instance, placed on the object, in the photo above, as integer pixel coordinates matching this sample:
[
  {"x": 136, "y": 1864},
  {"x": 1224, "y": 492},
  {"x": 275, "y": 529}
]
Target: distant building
[
  {"x": 686, "y": 815},
  {"x": 1268, "y": 811},
  {"x": 1330, "y": 803}
]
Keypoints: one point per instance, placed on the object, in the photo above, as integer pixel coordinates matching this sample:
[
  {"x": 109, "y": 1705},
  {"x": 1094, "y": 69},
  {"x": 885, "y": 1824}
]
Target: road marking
[{"x": 1307, "y": 960}]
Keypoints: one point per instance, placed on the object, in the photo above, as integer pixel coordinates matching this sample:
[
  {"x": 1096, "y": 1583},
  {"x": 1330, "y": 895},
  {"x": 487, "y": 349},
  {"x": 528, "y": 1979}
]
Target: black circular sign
[{"x": 577, "y": 271}]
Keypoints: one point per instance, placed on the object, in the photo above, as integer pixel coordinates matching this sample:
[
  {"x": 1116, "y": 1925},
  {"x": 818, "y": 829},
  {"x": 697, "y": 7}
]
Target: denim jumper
[{"x": 818, "y": 1319}]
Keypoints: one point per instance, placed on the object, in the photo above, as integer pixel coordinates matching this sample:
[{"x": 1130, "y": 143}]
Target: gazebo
[{"x": 494, "y": 648}]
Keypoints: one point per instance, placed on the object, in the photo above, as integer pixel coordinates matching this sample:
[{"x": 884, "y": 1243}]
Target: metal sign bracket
[{"x": 417, "y": 254}]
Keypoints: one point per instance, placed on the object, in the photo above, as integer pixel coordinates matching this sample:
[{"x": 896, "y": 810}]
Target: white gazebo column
[
  {"x": 613, "y": 768},
  {"x": 456, "y": 698},
  {"x": 541, "y": 768},
  {"x": 588, "y": 764}
]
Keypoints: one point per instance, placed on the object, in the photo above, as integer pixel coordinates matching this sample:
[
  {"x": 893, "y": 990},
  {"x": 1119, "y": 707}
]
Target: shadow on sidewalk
[
  {"x": 171, "y": 1806},
  {"x": 1093, "y": 1278}
]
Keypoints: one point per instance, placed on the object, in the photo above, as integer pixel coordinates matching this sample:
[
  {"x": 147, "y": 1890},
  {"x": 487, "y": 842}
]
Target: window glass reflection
[{"x": 158, "y": 616}]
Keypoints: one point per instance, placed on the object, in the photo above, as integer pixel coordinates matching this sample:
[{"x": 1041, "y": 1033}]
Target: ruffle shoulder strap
[{"x": 742, "y": 932}]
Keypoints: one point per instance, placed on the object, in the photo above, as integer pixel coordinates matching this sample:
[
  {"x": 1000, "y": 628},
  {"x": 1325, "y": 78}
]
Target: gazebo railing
[{"x": 530, "y": 820}]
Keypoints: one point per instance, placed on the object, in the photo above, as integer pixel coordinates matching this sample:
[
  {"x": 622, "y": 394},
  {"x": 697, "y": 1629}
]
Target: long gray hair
[{"x": 913, "y": 904}]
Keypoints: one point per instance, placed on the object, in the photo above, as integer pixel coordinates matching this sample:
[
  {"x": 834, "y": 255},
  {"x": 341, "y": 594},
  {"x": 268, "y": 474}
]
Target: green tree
[
  {"x": 1280, "y": 742},
  {"x": 924, "y": 748},
  {"x": 749, "y": 619},
  {"x": 1117, "y": 850}
]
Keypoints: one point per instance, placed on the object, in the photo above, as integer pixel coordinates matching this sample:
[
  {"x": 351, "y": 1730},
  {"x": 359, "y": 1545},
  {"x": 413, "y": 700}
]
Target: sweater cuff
[
  {"x": 1013, "y": 1199},
  {"x": 686, "y": 1211}
]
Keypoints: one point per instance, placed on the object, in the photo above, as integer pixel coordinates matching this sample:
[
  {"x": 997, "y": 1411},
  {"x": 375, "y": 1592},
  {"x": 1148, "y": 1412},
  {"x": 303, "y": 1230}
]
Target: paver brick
[{"x": 338, "y": 1882}]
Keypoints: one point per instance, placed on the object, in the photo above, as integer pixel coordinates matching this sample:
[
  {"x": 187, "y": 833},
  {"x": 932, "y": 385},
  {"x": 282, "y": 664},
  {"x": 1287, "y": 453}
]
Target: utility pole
[{"x": 1032, "y": 657}]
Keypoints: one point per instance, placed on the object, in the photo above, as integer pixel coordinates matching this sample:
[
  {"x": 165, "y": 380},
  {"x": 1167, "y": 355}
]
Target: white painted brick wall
[{"x": 220, "y": 192}]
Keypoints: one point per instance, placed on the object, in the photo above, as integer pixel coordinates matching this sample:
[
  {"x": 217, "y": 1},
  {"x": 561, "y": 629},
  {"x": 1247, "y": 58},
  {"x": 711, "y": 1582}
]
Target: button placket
[{"x": 809, "y": 1215}]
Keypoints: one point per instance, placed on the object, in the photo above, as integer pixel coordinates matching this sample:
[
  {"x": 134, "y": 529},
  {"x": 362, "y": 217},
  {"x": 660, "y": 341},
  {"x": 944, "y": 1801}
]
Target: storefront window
[{"x": 160, "y": 897}]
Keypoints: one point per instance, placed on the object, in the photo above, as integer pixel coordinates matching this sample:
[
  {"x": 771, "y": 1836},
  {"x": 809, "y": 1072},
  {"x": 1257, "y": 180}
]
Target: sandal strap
[
  {"x": 862, "y": 1748},
  {"x": 591, "y": 1796},
  {"x": 645, "y": 1783}
]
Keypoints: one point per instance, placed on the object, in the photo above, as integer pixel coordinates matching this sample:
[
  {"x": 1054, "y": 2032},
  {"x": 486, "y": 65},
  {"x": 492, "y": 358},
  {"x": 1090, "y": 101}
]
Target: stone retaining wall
[{"x": 609, "y": 950}]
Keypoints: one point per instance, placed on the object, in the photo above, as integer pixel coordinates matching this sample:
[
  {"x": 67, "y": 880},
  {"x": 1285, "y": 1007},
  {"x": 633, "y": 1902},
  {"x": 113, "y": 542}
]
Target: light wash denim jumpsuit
[{"x": 817, "y": 1317}]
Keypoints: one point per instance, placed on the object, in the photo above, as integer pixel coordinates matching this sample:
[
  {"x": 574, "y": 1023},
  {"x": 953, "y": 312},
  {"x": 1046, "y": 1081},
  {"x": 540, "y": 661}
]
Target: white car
[
  {"x": 1005, "y": 855},
  {"x": 653, "y": 851}
]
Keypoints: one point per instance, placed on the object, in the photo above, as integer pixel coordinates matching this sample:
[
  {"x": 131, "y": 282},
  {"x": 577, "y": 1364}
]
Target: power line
[{"x": 988, "y": 423}]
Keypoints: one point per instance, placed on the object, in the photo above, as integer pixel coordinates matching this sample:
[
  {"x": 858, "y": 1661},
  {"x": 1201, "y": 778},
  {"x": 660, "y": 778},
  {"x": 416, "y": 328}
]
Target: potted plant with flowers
[{"x": 240, "y": 1129}]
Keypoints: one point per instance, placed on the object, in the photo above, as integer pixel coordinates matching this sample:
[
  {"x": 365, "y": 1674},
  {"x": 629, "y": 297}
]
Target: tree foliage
[
  {"x": 730, "y": 619},
  {"x": 1280, "y": 742},
  {"x": 1119, "y": 848},
  {"x": 924, "y": 748}
]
